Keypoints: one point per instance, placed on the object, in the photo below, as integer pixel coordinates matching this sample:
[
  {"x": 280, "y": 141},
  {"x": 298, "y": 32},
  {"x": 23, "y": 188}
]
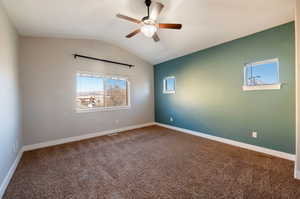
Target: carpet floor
[{"x": 151, "y": 162}]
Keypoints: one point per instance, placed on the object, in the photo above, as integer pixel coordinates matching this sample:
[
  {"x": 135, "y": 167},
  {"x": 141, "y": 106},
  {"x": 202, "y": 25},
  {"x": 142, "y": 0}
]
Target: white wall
[
  {"x": 47, "y": 74},
  {"x": 10, "y": 133}
]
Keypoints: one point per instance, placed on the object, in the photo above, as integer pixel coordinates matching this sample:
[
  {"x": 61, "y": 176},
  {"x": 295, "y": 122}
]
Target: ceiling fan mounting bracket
[{"x": 148, "y": 3}]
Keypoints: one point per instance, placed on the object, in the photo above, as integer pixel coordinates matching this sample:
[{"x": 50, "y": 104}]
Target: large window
[
  {"x": 262, "y": 75},
  {"x": 100, "y": 92}
]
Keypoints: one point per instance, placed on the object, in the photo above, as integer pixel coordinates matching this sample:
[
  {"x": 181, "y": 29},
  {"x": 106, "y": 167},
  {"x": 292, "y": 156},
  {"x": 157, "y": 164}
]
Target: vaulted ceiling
[{"x": 206, "y": 23}]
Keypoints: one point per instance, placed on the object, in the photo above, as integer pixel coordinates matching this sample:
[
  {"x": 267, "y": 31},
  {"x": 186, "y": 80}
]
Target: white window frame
[
  {"x": 165, "y": 91},
  {"x": 113, "y": 108},
  {"x": 275, "y": 86}
]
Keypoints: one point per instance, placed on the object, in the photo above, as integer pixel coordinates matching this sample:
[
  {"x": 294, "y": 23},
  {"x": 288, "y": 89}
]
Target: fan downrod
[{"x": 148, "y": 3}]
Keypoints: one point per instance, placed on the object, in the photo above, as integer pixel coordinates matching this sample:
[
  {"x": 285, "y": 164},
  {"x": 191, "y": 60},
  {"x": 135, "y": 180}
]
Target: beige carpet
[{"x": 151, "y": 162}]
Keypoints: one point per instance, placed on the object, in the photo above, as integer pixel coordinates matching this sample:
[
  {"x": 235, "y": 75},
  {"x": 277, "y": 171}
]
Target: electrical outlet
[
  {"x": 14, "y": 148},
  {"x": 17, "y": 146},
  {"x": 254, "y": 134},
  {"x": 171, "y": 119}
]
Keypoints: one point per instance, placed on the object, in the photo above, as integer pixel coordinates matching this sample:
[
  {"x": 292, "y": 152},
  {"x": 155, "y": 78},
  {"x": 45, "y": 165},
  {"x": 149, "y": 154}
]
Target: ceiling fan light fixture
[
  {"x": 148, "y": 30},
  {"x": 149, "y": 25}
]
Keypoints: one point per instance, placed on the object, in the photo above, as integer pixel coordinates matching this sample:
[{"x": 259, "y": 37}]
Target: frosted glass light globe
[{"x": 148, "y": 30}]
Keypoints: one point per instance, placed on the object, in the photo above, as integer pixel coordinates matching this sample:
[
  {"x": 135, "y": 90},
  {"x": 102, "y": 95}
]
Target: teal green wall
[{"x": 209, "y": 96}]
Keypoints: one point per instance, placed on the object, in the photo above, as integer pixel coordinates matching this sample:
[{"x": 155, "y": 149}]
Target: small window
[
  {"x": 262, "y": 75},
  {"x": 100, "y": 92},
  {"x": 169, "y": 85}
]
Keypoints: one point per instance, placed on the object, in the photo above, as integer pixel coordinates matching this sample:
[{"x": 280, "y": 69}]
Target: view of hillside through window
[{"x": 98, "y": 92}]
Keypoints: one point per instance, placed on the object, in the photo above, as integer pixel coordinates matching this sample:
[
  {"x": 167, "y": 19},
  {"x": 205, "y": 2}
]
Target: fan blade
[
  {"x": 155, "y": 37},
  {"x": 133, "y": 33},
  {"x": 128, "y": 18},
  {"x": 170, "y": 26},
  {"x": 156, "y": 10}
]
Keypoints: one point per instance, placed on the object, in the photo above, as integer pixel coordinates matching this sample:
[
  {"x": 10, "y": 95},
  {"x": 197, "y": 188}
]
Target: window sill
[
  {"x": 262, "y": 87},
  {"x": 105, "y": 109},
  {"x": 169, "y": 92}
]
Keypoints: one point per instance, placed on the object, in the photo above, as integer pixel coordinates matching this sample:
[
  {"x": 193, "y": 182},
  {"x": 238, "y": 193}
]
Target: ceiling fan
[{"x": 149, "y": 24}]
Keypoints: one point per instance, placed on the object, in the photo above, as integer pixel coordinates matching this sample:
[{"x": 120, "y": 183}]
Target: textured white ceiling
[{"x": 206, "y": 23}]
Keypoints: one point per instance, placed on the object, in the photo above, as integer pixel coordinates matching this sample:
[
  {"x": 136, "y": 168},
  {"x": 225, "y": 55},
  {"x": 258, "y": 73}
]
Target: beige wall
[
  {"x": 297, "y": 23},
  {"x": 10, "y": 133},
  {"x": 48, "y": 85}
]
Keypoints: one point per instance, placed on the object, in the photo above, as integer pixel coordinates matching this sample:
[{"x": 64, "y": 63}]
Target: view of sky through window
[
  {"x": 89, "y": 84},
  {"x": 170, "y": 84},
  {"x": 262, "y": 74},
  {"x": 116, "y": 83}
]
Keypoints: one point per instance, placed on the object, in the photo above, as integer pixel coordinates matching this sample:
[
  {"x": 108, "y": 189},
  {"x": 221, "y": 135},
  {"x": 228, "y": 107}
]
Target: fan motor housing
[{"x": 145, "y": 18}]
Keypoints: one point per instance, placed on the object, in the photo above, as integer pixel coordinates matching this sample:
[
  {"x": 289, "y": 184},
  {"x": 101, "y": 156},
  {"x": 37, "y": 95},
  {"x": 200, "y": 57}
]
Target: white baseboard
[
  {"x": 10, "y": 173},
  {"x": 82, "y": 137},
  {"x": 234, "y": 143}
]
